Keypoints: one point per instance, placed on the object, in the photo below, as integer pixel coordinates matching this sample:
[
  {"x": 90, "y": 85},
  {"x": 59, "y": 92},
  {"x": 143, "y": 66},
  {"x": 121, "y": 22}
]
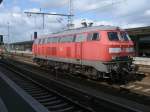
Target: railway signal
[
  {"x": 1, "y": 1},
  {"x": 1, "y": 39}
]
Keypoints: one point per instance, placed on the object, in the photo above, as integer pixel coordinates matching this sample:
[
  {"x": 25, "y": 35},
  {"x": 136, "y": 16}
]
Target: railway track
[
  {"x": 52, "y": 100},
  {"x": 138, "y": 87},
  {"x": 110, "y": 104}
]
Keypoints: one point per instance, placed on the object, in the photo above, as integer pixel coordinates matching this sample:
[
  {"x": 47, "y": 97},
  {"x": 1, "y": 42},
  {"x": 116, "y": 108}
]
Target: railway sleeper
[
  {"x": 36, "y": 92},
  {"x": 29, "y": 88},
  {"x": 32, "y": 89},
  {"x": 43, "y": 97},
  {"x": 62, "y": 105},
  {"x": 69, "y": 109},
  {"x": 26, "y": 84},
  {"x": 39, "y": 94},
  {"x": 48, "y": 99},
  {"x": 55, "y": 102}
]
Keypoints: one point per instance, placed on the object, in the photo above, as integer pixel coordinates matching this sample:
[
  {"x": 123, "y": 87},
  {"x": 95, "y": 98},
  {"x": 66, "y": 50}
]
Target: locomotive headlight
[
  {"x": 131, "y": 49},
  {"x": 114, "y": 57},
  {"x": 114, "y": 50}
]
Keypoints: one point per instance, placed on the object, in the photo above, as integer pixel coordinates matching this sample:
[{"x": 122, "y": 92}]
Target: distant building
[
  {"x": 21, "y": 46},
  {"x": 141, "y": 38}
]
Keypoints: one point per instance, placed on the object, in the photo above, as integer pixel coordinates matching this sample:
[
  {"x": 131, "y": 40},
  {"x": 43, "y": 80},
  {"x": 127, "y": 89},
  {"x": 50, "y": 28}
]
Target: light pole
[{"x": 8, "y": 33}]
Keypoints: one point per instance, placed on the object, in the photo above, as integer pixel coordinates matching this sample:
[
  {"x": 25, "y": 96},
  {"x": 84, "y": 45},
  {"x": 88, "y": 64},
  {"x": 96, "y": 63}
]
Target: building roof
[
  {"x": 139, "y": 31},
  {"x": 23, "y": 42}
]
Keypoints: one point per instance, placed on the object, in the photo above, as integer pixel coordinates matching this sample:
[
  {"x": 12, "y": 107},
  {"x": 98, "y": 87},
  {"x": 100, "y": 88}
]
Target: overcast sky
[{"x": 123, "y": 13}]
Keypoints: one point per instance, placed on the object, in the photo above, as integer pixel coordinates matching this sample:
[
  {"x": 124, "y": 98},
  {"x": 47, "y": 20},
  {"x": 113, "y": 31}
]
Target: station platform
[
  {"x": 21, "y": 52},
  {"x": 142, "y": 61},
  {"x": 15, "y": 99}
]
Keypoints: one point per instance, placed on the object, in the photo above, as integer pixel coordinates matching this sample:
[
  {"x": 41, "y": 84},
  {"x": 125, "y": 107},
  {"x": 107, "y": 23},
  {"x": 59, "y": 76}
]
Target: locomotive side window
[
  {"x": 52, "y": 40},
  {"x": 113, "y": 36},
  {"x": 49, "y": 40},
  {"x": 80, "y": 38},
  {"x": 55, "y": 39},
  {"x": 40, "y": 40},
  {"x": 93, "y": 37},
  {"x": 67, "y": 39},
  {"x": 43, "y": 41},
  {"x": 46, "y": 40}
]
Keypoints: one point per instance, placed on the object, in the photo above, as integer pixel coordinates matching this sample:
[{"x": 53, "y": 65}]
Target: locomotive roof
[{"x": 84, "y": 29}]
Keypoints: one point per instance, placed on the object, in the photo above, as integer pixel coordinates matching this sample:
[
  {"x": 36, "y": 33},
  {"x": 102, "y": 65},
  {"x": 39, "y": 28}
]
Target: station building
[
  {"x": 21, "y": 46},
  {"x": 141, "y": 38}
]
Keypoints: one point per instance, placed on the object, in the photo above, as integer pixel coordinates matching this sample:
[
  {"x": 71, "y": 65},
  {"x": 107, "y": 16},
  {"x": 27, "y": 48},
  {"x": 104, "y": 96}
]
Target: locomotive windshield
[
  {"x": 113, "y": 36},
  {"x": 124, "y": 36}
]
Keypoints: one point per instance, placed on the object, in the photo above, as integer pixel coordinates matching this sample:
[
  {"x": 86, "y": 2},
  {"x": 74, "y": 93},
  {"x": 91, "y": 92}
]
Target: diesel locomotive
[{"x": 96, "y": 52}]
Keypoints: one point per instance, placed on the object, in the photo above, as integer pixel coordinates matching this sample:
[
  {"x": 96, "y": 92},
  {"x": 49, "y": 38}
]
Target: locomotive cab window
[
  {"x": 125, "y": 36},
  {"x": 93, "y": 36},
  {"x": 113, "y": 36}
]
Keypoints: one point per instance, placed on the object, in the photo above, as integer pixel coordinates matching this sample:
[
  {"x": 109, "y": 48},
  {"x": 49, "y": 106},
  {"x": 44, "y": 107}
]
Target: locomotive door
[
  {"x": 78, "y": 52},
  {"x": 80, "y": 38}
]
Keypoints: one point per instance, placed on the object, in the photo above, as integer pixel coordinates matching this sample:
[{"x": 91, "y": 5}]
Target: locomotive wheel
[
  {"x": 94, "y": 75},
  {"x": 124, "y": 77},
  {"x": 114, "y": 77}
]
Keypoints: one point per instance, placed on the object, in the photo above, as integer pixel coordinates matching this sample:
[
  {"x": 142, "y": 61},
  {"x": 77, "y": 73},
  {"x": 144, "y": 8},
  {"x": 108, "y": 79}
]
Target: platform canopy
[
  {"x": 141, "y": 38},
  {"x": 139, "y": 31}
]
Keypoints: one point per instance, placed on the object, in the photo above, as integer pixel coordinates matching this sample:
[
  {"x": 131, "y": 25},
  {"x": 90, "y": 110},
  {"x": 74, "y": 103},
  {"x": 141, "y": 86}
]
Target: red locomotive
[{"x": 97, "y": 52}]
